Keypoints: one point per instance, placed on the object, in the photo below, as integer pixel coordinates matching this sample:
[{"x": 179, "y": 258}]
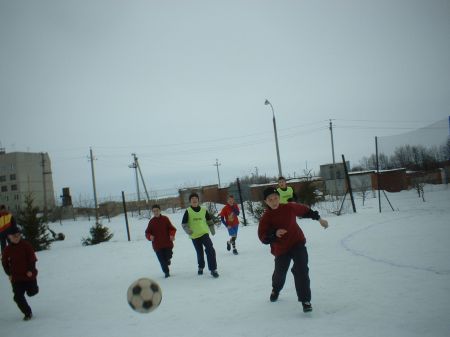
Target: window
[
  {"x": 2, "y": 178},
  {"x": 12, "y": 177},
  {"x": 4, "y": 188},
  {"x": 13, "y": 187}
]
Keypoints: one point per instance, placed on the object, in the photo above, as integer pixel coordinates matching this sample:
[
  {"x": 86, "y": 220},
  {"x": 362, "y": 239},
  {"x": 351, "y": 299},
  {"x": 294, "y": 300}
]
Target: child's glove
[
  {"x": 186, "y": 228},
  {"x": 212, "y": 229}
]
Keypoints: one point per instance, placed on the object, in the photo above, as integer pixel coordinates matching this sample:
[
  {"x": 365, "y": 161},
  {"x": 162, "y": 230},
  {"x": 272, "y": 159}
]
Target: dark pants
[
  {"x": 300, "y": 271},
  {"x": 164, "y": 255},
  {"x": 199, "y": 243},
  {"x": 19, "y": 289}
]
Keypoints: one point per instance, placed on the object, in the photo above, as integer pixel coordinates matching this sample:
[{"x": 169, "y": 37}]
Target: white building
[
  {"x": 334, "y": 176},
  {"x": 23, "y": 174}
]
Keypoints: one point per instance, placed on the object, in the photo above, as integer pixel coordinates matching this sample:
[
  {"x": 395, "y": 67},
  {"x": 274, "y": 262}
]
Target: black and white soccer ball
[{"x": 144, "y": 295}]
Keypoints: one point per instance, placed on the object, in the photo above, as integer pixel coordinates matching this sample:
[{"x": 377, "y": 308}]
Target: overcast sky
[{"x": 181, "y": 83}]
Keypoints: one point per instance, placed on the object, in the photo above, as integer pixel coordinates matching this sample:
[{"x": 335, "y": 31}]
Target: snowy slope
[{"x": 371, "y": 274}]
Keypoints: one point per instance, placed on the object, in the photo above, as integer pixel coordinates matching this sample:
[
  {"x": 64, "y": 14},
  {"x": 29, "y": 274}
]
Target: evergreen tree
[
  {"x": 308, "y": 194},
  {"x": 258, "y": 210},
  {"x": 212, "y": 210},
  {"x": 35, "y": 229},
  {"x": 99, "y": 233}
]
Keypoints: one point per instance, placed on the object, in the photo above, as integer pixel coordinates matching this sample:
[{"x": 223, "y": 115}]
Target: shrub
[
  {"x": 99, "y": 233},
  {"x": 34, "y": 228}
]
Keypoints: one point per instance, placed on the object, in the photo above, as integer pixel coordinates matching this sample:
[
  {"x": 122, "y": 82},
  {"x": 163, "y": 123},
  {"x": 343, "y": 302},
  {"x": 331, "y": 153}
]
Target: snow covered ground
[{"x": 371, "y": 274}]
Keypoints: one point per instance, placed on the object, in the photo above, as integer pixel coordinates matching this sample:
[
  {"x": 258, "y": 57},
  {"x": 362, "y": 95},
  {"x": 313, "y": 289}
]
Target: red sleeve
[
  {"x": 172, "y": 229},
  {"x": 263, "y": 228},
  {"x": 148, "y": 231},
  {"x": 299, "y": 209},
  {"x": 222, "y": 211},
  {"x": 31, "y": 259},
  {"x": 31, "y": 253},
  {"x": 5, "y": 261}
]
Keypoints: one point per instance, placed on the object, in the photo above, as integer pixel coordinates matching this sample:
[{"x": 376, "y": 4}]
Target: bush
[
  {"x": 34, "y": 228},
  {"x": 258, "y": 210},
  {"x": 213, "y": 212},
  {"x": 308, "y": 194},
  {"x": 99, "y": 233}
]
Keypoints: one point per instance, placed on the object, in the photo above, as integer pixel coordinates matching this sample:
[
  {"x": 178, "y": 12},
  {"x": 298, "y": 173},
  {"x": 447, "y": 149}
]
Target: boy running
[
  {"x": 229, "y": 217},
  {"x": 197, "y": 223},
  {"x": 278, "y": 227},
  {"x": 19, "y": 263},
  {"x": 161, "y": 233},
  {"x": 286, "y": 193}
]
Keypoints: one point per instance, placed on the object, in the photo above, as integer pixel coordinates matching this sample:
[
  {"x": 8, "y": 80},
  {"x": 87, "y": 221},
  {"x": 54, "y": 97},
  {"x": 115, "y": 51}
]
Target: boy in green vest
[
  {"x": 287, "y": 194},
  {"x": 197, "y": 223}
]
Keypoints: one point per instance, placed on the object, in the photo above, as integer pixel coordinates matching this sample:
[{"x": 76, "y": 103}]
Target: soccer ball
[{"x": 144, "y": 295}]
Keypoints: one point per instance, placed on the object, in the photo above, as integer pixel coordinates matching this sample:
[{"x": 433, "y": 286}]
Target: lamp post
[{"x": 276, "y": 137}]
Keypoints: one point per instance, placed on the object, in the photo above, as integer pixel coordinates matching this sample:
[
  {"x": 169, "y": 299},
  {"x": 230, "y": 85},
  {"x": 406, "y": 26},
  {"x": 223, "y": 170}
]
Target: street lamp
[{"x": 276, "y": 138}]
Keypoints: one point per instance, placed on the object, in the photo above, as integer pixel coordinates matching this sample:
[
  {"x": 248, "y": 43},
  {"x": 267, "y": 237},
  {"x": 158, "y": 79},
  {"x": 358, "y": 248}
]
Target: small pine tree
[
  {"x": 258, "y": 210},
  {"x": 34, "y": 228},
  {"x": 99, "y": 233},
  {"x": 212, "y": 210},
  {"x": 308, "y": 194}
]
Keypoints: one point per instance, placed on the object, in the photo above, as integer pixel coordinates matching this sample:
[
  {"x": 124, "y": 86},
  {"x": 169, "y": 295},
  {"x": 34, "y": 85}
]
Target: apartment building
[{"x": 23, "y": 174}]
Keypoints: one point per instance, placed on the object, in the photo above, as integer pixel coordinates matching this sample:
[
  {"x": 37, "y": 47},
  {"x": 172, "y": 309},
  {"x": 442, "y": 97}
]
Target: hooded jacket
[
  {"x": 284, "y": 217},
  {"x": 18, "y": 259}
]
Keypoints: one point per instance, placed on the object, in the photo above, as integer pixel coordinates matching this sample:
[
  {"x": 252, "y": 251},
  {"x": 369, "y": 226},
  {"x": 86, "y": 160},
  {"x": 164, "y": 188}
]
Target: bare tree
[
  {"x": 85, "y": 205},
  {"x": 419, "y": 184},
  {"x": 370, "y": 163},
  {"x": 363, "y": 190}
]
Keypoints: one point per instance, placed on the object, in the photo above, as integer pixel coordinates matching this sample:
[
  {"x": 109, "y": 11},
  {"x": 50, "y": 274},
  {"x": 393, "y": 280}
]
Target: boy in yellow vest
[
  {"x": 287, "y": 194},
  {"x": 197, "y": 223}
]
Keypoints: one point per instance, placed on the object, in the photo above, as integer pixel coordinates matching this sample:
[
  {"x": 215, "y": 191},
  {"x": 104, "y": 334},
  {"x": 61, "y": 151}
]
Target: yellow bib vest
[
  {"x": 285, "y": 195},
  {"x": 5, "y": 221},
  {"x": 197, "y": 222}
]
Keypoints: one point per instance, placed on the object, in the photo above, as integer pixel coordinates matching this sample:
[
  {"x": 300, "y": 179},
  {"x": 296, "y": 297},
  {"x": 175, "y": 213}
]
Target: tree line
[{"x": 411, "y": 157}]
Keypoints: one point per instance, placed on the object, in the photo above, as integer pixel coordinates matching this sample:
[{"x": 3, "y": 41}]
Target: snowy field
[{"x": 371, "y": 274}]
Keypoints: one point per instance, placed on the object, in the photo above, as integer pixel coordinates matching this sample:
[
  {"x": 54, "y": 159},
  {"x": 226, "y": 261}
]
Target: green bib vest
[
  {"x": 285, "y": 195},
  {"x": 197, "y": 222}
]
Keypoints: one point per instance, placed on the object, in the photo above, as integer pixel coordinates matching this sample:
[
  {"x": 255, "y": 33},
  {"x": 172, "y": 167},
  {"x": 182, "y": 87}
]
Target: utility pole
[
  {"x": 135, "y": 166},
  {"x": 93, "y": 184},
  {"x": 44, "y": 172},
  {"x": 334, "y": 162},
  {"x": 142, "y": 179},
  {"x": 378, "y": 174},
  {"x": 217, "y": 164}
]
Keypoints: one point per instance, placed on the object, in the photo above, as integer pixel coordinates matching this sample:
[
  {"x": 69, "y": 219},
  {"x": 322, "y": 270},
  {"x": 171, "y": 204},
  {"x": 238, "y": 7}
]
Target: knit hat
[
  {"x": 192, "y": 195},
  {"x": 270, "y": 190},
  {"x": 13, "y": 230}
]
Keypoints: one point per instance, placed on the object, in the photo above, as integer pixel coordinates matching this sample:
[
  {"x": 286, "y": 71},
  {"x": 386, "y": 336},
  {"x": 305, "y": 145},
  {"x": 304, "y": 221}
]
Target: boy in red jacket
[
  {"x": 161, "y": 233},
  {"x": 229, "y": 217},
  {"x": 278, "y": 227},
  {"x": 19, "y": 263}
]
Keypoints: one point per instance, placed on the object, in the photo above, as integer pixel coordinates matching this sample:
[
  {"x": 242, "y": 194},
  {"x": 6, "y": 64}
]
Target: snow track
[{"x": 346, "y": 244}]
